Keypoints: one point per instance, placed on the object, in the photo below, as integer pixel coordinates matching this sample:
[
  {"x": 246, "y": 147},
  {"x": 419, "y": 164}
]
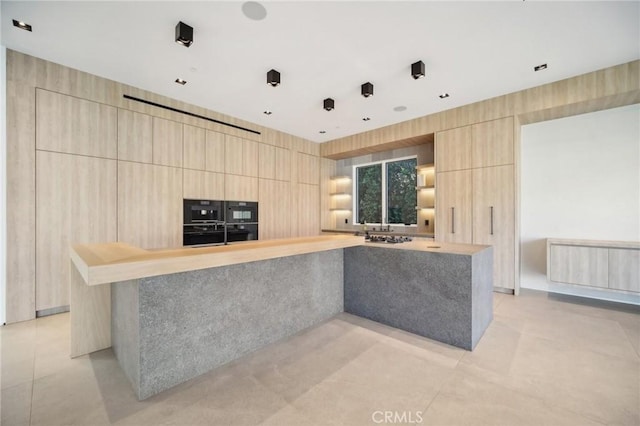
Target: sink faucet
[{"x": 388, "y": 225}]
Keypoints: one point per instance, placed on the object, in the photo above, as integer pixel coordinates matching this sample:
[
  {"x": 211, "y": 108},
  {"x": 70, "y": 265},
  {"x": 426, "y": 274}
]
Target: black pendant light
[
  {"x": 328, "y": 104},
  {"x": 417, "y": 70},
  {"x": 184, "y": 34},
  {"x": 366, "y": 89},
  {"x": 273, "y": 78}
]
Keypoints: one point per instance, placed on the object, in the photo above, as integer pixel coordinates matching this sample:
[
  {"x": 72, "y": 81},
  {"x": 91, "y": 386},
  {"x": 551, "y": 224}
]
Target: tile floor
[{"x": 545, "y": 360}]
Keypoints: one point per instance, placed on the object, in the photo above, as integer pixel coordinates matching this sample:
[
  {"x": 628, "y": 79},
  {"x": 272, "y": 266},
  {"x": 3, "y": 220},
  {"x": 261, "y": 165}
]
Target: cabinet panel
[
  {"x": 267, "y": 166},
  {"x": 624, "y": 269},
  {"x": 193, "y": 147},
  {"x": 308, "y": 169},
  {"x": 453, "y": 149},
  {"x": 494, "y": 220},
  {"x": 75, "y": 126},
  {"x": 579, "y": 265},
  {"x": 233, "y": 161},
  {"x": 454, "y": 207},
  {"x": 308, "y": 210},
  {"x": 250, "y": 158},
  {"x": 203, "y": 185},
  {"x": 274, "y": 209},
  {"x": 167, "y": 142},
  {"x": 240, "y": 188},
  {"x": 214, "y": 151},
  {"x": 283, "y": 164},
  {"x": 76, "y": 203},
  {"x": 149, "y": 205},
  {"x": 135, "y": 136},
  {"x": 492, "y": 143}
]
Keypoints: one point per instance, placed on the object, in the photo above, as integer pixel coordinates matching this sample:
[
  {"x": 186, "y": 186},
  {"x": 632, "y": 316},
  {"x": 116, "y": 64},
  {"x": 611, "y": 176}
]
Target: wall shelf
[
  {"x": 340, "y": 210},
  {"x": 425, "y": 167},
  {"x": 425, "y": 187},
  {"x": 425, "y": 207},
  {"x": 340, "y": 194},
  {"x": 336, "y": 178}
]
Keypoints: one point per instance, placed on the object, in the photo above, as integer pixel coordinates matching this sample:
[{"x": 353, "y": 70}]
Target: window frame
[{"x": 383, "y": 182}]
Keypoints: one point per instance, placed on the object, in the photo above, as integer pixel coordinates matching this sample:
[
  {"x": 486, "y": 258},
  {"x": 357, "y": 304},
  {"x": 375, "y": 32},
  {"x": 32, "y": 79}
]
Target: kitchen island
[{"x": 172, "y": 315}]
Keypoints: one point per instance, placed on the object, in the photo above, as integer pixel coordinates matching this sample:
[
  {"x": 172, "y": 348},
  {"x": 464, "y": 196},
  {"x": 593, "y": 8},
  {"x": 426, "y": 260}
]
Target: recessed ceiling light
[
  {"x": 22, "y": 25},
  {"x": 366, "y": 118},
  {"x": 181, "y": 81},
  {"x": 254, "y": 10},
  {"x": 540, "y": 67},
  {"x": 400, "y": 108},
  {"x": 322, "y": 132},
  {"x": 267, "y": 112},
  {"x": 444, "y": 95}
]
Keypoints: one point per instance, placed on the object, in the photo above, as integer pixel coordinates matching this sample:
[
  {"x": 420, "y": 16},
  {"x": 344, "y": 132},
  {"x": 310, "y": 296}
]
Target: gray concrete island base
[
  {"x": 171, "y": 328},
  {"x": 442, "y": 296}
]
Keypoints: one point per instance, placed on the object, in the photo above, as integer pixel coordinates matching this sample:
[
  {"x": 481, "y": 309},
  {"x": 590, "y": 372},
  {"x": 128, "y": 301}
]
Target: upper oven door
[
  {"x": 203, "y": 211},
  {"x": 242, "y": 212}
]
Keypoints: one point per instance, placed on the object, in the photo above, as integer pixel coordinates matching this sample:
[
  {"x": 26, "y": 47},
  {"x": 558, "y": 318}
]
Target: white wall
[
  {"x": 580, "y": 179},
  {"x": 3, "y": 182}
]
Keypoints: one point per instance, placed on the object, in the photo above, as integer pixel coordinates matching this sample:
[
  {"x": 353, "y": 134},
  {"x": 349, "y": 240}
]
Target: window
[{"x": 386, "y": 192}]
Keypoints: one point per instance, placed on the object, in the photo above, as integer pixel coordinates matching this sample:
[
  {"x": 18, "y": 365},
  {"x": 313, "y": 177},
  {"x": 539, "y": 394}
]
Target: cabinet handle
[
  {"x": 453, "y": 220},
  {"x": 491, "y": 219}
]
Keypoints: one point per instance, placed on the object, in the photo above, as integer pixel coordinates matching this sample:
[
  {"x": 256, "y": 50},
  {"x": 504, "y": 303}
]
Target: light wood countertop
[
  {"x": 114, "y": 262},
  {"x": 594, "y": 243}
]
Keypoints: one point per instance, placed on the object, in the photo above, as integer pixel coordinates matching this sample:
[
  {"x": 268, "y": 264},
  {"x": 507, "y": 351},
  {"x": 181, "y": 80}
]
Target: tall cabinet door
[
  {"x": 454, "y": 207},
  {"x": 494, "y": 221},
  {"x": 453, "y": 149}
]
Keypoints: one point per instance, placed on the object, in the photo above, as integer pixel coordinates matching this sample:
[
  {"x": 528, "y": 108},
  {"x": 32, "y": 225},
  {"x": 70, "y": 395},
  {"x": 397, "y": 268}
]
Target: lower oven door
[
  {"x": 202, "y": 235},
  {"x": 242, "y": 232}
]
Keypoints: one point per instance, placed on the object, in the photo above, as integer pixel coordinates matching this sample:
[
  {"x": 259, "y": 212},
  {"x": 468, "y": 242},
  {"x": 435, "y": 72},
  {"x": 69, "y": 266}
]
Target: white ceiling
[{"x": 472, "y": 50}]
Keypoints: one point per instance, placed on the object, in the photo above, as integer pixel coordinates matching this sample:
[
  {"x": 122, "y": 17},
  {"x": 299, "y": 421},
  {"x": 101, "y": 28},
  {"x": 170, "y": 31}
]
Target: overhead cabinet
[{"x": 475, "y": 197}]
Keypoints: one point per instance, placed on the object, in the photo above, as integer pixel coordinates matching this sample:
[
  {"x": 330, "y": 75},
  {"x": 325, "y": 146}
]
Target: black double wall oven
[{"x": 216, "y": 222}]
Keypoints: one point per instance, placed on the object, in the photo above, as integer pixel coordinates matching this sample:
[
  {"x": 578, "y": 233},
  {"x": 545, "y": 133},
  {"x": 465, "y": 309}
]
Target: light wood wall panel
[
  {"x": 149, "y": 205},
  {"x": 135, "y": 136},
  {"x": 250, "y": 151},
  {"x": 167, "y": 142},
  {"x": 214, "y": 152},
  {"x": 75, "y": 126},
  {"x": 453, "y": 149},
  {"x": 76, "y": 204},
  {"x": 201, "y": 185},
  {"x": 267, "y": 165},
  {"x": 274, "y": 209},
  {"x": 240, "y": 188},
  {"x": 308, "y": 210},
  {"x": 193, "y": 141},
  {"x": 283, "y": 164},
  {"x": 492, "y": 143},
  {"x": 308, "y": 169},
  {"x": 21, "y": 186},
  {"x": 234, "y": 156},
  {"x": 454, "y": 206}
]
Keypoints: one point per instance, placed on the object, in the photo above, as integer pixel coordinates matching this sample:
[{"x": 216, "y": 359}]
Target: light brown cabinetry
[
  {"x": 75, "y": 204},
  {"x": 214, "y": 151},
  {"x": 308, "y": 210},
  {"x": 454, "y": 212},
  {"x": 193, "y": 147},
  {"x": 475, "y": 196},
  {"x": 202, "y": 185},
  {"x": 75, "y": 126},
  {"x": 135, "y": 136},
  {"x": 167, "y": 142},
  {"x": 274, "y": 209},
  {"x": 613, "y": 265},
  {"x": 494, "y": 219},
  {"x": 308, "y": 169},
  {"x": 453, "y": 149},
  {"x": 267, "y": 166},
  {"x": 149, "y": 205},
  {"x": 283, "y": 164},
  {"x": 241, "y": 156},
  {"x": 240, "y": 188}
]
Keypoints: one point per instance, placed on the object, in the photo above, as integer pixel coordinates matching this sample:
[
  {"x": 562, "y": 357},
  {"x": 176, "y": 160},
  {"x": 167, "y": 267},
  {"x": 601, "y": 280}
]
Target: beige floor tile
[
  {"x": 294, "y": 376},
  {"x": 17, "y": 372},
  {"x": 289, "y": 416},
  {"x": 604, "y": 388},
  {"x": 15, "y": 405},
  {"x": 384, "y": 378},
  {"x": 468, "y": 400}
]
